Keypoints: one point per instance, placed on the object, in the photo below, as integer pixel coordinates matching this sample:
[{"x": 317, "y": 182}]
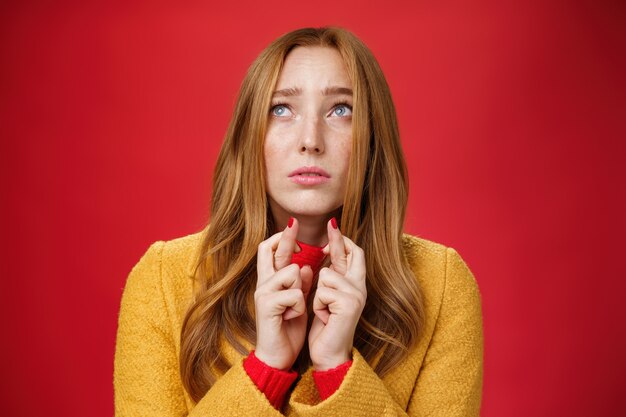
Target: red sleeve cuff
[
  {"x": 272, "y": 382},
  {"x": 329, "y": 381}
]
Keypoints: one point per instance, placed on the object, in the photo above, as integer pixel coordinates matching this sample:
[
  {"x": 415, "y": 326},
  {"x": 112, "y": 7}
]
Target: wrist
[
  {"x": 276, "y": 363},
  {"x": 331, "y": 363}
]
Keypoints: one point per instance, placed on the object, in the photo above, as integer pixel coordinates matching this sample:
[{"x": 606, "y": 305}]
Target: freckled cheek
[
  {"x": 273, "y": 147},
  {"x": 274, "y": 153},
  {"x": 344, "y": 150}
]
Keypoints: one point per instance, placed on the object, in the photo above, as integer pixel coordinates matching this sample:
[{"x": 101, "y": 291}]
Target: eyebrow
[{"x": 328, "y": 91}]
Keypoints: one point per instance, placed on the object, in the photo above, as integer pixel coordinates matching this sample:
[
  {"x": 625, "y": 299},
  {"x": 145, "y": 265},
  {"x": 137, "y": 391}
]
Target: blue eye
[
  {"x": 342, "y": 110},
  {"x": 279, "y": 110}
]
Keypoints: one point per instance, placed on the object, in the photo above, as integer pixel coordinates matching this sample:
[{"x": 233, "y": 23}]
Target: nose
[{"x": 311, "y": 136}]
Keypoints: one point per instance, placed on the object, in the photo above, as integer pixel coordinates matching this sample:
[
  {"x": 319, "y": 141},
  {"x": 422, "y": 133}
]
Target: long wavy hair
[{"x": 372, "y": 216}]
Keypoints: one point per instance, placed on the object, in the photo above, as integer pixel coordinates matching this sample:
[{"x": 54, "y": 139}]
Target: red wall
[{"x": 513, "y": 122}]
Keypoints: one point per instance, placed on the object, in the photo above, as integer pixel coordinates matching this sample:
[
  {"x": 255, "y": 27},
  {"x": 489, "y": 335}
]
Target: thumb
[{"x": 306, "y": 275}]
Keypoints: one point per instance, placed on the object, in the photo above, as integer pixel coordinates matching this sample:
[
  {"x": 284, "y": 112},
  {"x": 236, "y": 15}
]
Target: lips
[
  {"x": 310, "y": 171},
  {"x": 309, "y": 176}
]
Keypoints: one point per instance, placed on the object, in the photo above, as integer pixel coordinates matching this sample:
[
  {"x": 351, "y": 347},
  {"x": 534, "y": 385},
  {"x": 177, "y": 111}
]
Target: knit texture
[
  {"x": 309, "y": 255},
  {"x": 442, "y": 375},
  {"x": 272, "y": 382},
  {"x": 329, "y": 381}
]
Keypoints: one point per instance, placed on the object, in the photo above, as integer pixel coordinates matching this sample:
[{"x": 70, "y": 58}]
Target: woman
[{"x": 303, "y": 296}]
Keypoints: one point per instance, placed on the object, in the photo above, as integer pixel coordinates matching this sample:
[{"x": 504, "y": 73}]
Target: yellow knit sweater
[{"x": 442, "y": 375}]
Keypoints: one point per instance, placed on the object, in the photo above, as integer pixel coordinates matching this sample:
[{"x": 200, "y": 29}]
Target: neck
[{"x": 312, "y": 230}]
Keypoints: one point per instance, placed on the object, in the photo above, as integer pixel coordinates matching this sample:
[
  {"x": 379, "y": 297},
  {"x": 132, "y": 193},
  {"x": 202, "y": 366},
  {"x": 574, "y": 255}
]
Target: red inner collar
[{"x": 309, "y": 255}]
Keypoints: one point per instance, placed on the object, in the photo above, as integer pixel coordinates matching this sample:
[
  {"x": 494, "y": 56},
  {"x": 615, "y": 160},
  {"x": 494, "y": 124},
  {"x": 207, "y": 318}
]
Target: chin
[
  {"x": 310, "y": 207},
  {"x": 312, "y": 211}
]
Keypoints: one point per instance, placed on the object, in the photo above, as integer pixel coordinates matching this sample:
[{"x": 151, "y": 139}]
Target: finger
[
  {"x": 356, "y": 262},
  {"x": 265, "y": 257},
  {"x": 286, "y": 245},
  {"x": 278, "y": 302},
  {"x": 322, "y": 301},
  {"x": 290, "y": 313},
  {"x": 336, "y": 247},
  {"x": 286, "y": 278},
  {"x": 320, "y": 309},
  {"x": 329, "y": 301},
  {"x": 306, "y": 279},
  {"x": 304, "y": 283},
  {"x": 331, "y": 279}
]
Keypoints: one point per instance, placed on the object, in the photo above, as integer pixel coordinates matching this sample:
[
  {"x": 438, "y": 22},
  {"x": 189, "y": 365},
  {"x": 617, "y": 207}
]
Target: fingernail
[
  {"x": 290, "y": 222},
  {"x": 333, "y": 223}
]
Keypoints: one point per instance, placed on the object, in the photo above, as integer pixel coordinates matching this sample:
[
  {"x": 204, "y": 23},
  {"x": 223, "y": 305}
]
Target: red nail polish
[
  {"x": 290, "y": 222},
  {"x": 333, "y": 223}
]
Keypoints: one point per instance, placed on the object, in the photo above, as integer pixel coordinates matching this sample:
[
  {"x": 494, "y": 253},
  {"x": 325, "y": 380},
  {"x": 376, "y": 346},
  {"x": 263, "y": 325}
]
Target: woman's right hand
[{"x": 282, "y": 287}]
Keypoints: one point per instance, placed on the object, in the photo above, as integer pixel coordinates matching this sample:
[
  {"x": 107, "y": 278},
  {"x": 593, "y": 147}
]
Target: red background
[{"x": 513, "y": 122}]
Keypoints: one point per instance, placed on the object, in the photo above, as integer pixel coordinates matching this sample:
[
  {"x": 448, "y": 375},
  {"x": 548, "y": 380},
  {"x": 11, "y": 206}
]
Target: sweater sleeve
[
  {"x": 272, "y": 382},
  {"x": 146, "y": 371},
  {"x": 450, "y": 381},
  {"x": 327, "y": 382}
]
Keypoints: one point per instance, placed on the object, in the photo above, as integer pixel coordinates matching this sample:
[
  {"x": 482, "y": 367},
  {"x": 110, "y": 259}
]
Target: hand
[
  {"x": 338, "y": 303},
  {"x": 279, "y": 299}
]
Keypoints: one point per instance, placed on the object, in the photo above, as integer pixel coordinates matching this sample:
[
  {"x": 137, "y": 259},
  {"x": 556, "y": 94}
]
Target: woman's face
[{"x": 309, "y": 137}]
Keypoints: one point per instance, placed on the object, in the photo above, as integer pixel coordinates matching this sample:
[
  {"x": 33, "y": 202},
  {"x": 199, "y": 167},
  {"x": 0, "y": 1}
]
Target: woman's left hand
[{"x": 338, "y": 303}]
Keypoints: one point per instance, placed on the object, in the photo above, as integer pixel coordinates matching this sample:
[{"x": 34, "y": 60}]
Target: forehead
[{"x": 313, "y": 67}]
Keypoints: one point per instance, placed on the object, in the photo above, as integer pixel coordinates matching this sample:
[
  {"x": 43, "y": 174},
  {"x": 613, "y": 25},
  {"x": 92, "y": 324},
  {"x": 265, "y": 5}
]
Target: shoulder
[
  {"x": 427, "y": 255},
  {"x": 181, "y": 254},
  {"x": 164, "y": 273},
  {"x": 443, "y": 275},
  {"x": 417, "y": 248},
  {"x": 175, "y": 255}
]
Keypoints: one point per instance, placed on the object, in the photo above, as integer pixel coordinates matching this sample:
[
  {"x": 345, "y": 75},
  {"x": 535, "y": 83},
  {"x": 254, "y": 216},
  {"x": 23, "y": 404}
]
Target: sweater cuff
[
  {"x": 329, "y": 381},
  {"x": 272, "y": 382}
]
